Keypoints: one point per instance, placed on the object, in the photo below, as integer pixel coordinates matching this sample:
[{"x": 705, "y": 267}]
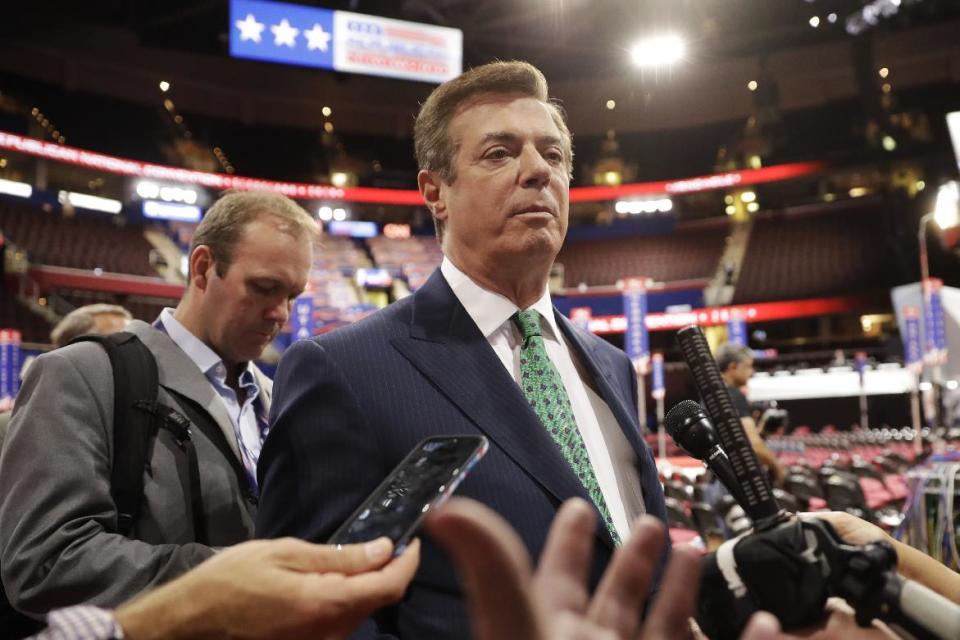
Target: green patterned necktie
[{"x": 544, "y": 390}]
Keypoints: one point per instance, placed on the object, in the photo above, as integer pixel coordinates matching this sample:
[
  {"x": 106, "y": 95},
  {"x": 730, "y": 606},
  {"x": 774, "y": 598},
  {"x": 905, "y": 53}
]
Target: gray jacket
[{"x": 57, "y": 518}]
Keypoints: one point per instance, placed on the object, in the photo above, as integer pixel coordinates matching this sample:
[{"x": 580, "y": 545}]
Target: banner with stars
[{"x": 344, "y": 41}]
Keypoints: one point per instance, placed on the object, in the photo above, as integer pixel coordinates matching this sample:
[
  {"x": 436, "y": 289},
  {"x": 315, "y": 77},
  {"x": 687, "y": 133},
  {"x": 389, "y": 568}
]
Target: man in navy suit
[{"x": 478, "y": 349}]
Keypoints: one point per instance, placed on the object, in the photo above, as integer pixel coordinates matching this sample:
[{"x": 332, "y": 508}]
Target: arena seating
[
  {"x": 146, "y": 309},
  {"x": 414, "y": 258},
  {"x": 15, "y": 315},
  {"x": 339, "y": 254},
  {"x": 81, "y": 241},
  {"x": 807, "y": 256},
  {"x": 691, "y": 252}
]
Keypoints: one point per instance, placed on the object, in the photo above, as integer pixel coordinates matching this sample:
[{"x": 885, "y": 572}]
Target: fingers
[
  {"x": 375, "y": 589},
  {"x": 677, "y": 598},
  {"x": 348, "y": 559},
  {"x": 762, "y": 626},
  {"x": 494, "y": 566},
  {"x": 561, "y": 577},
  {"x": 618, "y": 601}
]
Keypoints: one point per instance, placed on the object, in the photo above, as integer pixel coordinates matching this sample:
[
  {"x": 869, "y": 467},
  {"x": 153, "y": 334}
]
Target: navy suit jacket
[{"x": 349, "y": 405}]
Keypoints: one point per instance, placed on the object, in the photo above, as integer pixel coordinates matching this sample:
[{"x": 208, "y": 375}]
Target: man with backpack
[{"x": 130, "y": 461}]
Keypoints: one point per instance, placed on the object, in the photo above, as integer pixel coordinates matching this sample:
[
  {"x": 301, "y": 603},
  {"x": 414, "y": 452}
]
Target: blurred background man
[{"x": 736, "y": 367}]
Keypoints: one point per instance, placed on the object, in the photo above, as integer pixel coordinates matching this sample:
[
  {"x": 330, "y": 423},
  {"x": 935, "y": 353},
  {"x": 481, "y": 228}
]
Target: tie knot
[{"x": 528, "y": 322}]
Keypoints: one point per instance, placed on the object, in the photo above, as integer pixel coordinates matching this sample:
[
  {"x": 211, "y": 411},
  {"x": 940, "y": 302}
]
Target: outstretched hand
[{"x": 509, "y": 601}]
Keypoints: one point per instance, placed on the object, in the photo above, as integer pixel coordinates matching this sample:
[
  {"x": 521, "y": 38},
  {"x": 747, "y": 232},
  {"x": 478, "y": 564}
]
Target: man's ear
[
  {"x": 430, "y": 185},
  {"x": 201, "y": 261}
]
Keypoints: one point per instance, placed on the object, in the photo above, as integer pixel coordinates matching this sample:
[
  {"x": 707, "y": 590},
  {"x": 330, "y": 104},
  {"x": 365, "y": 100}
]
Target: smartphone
[{"x": 421, "y": 482}]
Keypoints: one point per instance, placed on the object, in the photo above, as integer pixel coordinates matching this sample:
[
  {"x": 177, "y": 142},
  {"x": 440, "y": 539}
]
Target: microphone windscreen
[{"x": 681, "y": 413}]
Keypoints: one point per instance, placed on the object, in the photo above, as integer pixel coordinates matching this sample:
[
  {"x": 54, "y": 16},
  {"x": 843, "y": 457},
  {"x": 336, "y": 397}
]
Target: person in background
[
  {"x": 735, "y": 362},
  {"x": 100, "y": 319},
  {"x": 61, "y": 540},
  {"x": 96, "y": 319}
]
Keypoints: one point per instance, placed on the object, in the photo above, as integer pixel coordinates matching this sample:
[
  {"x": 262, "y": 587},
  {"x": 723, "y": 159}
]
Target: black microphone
[
  {"x": 690, "y": 427},
  {"x": 755, "y": 492}
]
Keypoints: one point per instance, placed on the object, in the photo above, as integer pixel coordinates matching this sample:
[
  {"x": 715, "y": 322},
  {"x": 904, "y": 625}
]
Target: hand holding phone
[{"x": 420, "y": 483}]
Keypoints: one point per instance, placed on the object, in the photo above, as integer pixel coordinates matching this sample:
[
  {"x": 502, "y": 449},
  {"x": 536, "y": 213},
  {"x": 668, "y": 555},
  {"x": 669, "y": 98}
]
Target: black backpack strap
[
  {"x": 137, "y": 416},
  {"x": 201, "y": 420},
  {"x": 135, "y": 380},
  {"x": 179, "y": 425}
]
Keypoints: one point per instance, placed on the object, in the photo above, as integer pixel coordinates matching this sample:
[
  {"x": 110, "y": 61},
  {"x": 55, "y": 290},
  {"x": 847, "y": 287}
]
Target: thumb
[
  {"x": 762, "y": 626},
  {"x": 495, "y": 568},
  {"x": 347, "y": 559}
]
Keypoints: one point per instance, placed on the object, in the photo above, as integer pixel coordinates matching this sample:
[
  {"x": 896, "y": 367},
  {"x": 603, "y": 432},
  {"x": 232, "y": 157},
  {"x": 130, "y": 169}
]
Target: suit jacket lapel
[
  {"x": 611, "y": 392},
  {"x": 448, "y": 349},
  {"x": 178, "y": 373}
]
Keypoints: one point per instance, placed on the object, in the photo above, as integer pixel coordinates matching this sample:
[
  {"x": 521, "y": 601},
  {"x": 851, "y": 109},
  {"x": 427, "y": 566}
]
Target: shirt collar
[
  {"x": 489, "y": 310},
  {"x": 203, "y": 356}
]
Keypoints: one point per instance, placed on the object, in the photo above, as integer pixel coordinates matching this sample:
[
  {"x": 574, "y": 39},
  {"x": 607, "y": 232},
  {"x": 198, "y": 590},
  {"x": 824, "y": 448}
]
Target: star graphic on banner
[
  {"x": 284, "y": 34},
  {"x": 317, "y": 38},
  {"x": 250, "y": 29}
]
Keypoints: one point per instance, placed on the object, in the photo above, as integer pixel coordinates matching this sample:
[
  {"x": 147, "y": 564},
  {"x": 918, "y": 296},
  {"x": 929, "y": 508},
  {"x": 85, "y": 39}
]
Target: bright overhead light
[
  {"x": 858, "y": 192},
  {"x": 752, "y": 85},
  {"x": 658, "y": 51},
  {"x": 87, "y": 201},
  {"x": 171, "y": 211},
  {"x": 664, "y": 205},
  {"x": 731, "y": 210},
  {"x": 815, "y": 22},
  {"x": 325, "y": 213},
  {"x": 164, "y": 86},
  {"x": 888, "y": 142},
  {"x": 339, "y": 214},
  {"x": 19, "y": 189},
  {"x": 946, "y": 212},
  {"x": 753, "y": 207},
  {"x": 748, "y": 196},
  {"x": 327, "y": 111},
  {"x": 884, "y": 72},
  {"x": 148, "y": 190},
  {"x": 611, "y": 104},
  {"x": 339, "y": 178},
  {"x": 622, "y": 207},
  {"x": 831, "y": 18}
]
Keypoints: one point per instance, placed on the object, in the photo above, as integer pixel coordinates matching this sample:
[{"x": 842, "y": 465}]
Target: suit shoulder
[
  {"x": 84, "y": 356},
  {"x": 384, "y": 324}
]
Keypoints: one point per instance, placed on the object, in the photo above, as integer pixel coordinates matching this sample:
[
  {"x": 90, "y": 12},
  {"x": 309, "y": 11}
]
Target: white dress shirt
[
  {"x": 248, "y": 426},
  {"x": 492, "y": 314}
]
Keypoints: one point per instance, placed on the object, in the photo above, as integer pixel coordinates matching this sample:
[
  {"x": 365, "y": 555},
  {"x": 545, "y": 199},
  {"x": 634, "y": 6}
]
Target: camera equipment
[{"x": 787, "y": 566}]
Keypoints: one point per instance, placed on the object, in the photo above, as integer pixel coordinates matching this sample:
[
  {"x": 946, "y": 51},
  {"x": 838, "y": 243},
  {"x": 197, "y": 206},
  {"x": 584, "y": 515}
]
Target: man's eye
[
  {"x": 497, "y": 154},
  {"x": 554, "y": 156}
]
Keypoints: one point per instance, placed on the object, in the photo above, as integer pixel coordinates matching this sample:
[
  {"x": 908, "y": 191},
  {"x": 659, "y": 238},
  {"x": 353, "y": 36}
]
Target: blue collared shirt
[{"x": 249, "y": 420}]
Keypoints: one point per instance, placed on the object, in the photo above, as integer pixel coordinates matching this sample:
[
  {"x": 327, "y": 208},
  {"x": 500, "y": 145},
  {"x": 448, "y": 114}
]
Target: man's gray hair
[
  {"x": 731, "y": 353},
  {"x": 81, "y": 320}
]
